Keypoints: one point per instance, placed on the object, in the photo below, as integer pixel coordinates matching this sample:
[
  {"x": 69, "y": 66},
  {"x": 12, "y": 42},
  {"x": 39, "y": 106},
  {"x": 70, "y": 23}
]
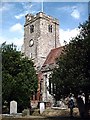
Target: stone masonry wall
[{"x": 44, "y": 40}]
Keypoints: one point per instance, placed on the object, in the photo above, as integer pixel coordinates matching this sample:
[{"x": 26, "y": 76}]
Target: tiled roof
[{"x": 54, "y": 53}]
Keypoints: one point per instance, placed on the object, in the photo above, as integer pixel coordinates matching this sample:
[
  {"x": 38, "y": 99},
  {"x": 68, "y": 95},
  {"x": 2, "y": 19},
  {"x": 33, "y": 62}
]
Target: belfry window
[
  {"x": 31, "y": 28},
  {"x": 50, "y": 28}
]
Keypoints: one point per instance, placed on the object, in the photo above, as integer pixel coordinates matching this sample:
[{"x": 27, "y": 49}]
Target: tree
[
  {"x": 19, "y": 77},
  {"x": 73, "y": 72}
]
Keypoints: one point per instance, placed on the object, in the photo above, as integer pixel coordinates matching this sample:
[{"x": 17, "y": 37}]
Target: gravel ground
[
  {"x": 48, "y": 114},
  {"x": 47, "y": 118}
]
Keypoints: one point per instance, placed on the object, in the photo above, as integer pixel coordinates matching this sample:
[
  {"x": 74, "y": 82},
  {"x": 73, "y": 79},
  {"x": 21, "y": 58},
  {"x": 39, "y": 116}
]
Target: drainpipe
[{"x": 55, "y": 34}]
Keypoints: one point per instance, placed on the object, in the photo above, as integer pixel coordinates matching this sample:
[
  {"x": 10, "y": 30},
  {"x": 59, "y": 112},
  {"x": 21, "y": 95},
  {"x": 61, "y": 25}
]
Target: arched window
[
  {"x": 31, "y": 28},
  {"x": 50, "y": 28}
]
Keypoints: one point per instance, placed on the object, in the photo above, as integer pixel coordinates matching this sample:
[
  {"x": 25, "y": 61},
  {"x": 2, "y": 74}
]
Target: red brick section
[
  {"x": 54, "y": 53},
  {"x": 35, "y": 101},
  {"x": 38, "y": 90},
  {"x": 39, "y": 80},
  {"x": 51, "y": 58}
]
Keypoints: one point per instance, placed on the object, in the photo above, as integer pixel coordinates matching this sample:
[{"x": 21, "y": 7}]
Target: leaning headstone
[
  {"x": 42, "y": 107},
  {"x": 13, "y": 107}
]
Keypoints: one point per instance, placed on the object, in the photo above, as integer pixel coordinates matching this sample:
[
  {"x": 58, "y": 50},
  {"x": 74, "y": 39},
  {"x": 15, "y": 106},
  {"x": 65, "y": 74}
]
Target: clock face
[{"x": 31, "y": 42}]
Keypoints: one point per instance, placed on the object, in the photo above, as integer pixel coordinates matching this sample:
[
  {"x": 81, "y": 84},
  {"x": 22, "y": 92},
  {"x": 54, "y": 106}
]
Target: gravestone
[
  {"x": 25, "y": 112},
  {"x": 42, "y": 107},
  {"x": 13, "y": 107}
]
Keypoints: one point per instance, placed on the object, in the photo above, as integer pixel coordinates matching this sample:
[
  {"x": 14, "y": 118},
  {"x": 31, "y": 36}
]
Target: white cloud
[
  {"x": 16, "y": 41},
  {"x": 19, "y": 16},
  {"x": 27, "y": 5},
  {"x": 75, "y": 13},
  {"x": 27, "y": 8},
  {"x": 5, "y": 6},
  {"x": 2, "y": 40},
  {"x": 16, "y": 28},
  {"x": 66, "y": 35},
  {"x": 23, "y": 14},
  {"x": 65, "y": 8}
]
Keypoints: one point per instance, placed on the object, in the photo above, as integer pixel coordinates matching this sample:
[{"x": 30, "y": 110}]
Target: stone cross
[{"x": 13, "y": 107}]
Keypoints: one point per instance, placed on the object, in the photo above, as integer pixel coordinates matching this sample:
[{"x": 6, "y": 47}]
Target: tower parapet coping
[{"x": 31, "y": 17}]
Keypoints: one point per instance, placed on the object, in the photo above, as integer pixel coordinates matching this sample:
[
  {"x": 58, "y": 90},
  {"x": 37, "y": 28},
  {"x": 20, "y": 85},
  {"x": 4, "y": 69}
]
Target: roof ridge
[{"x": 57, "y": 48}]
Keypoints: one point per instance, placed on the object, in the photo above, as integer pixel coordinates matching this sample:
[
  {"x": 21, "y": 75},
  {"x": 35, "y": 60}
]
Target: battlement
[
  {"x": 32, "y": 18},
  {"x": 41, "y": 34}
]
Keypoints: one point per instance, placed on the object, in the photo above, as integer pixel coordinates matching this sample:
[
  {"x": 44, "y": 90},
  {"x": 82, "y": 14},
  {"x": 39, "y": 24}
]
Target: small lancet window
[
  {"x": 50, "y": 28},
  {"x": 31, "y": 28}
]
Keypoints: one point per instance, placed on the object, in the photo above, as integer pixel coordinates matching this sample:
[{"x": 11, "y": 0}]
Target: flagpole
[{"x": 42, "y": 5}]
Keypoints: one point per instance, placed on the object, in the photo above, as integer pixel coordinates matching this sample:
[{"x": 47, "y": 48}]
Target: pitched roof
[{"x": 54, "y": 53}]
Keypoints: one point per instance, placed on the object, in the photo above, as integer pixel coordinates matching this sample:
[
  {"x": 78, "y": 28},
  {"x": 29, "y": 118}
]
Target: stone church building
[{"x": 41, "y": 44}]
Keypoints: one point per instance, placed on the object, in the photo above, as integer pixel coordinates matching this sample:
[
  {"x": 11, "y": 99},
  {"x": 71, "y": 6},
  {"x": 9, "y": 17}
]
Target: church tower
[{"x": 41, "y": 34}]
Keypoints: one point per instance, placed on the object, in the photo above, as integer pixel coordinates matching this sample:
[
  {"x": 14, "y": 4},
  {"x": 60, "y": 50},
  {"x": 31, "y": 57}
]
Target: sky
[{"x": 12, "y": 18}]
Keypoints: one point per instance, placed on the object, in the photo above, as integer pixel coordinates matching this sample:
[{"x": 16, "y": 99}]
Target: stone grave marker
[
  {"x": 13, "y": 107},
  {"x": 42, "y": 107}
]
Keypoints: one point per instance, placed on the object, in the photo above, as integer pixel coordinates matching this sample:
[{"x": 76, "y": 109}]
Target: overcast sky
[{"x": 70, "y": 15}]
